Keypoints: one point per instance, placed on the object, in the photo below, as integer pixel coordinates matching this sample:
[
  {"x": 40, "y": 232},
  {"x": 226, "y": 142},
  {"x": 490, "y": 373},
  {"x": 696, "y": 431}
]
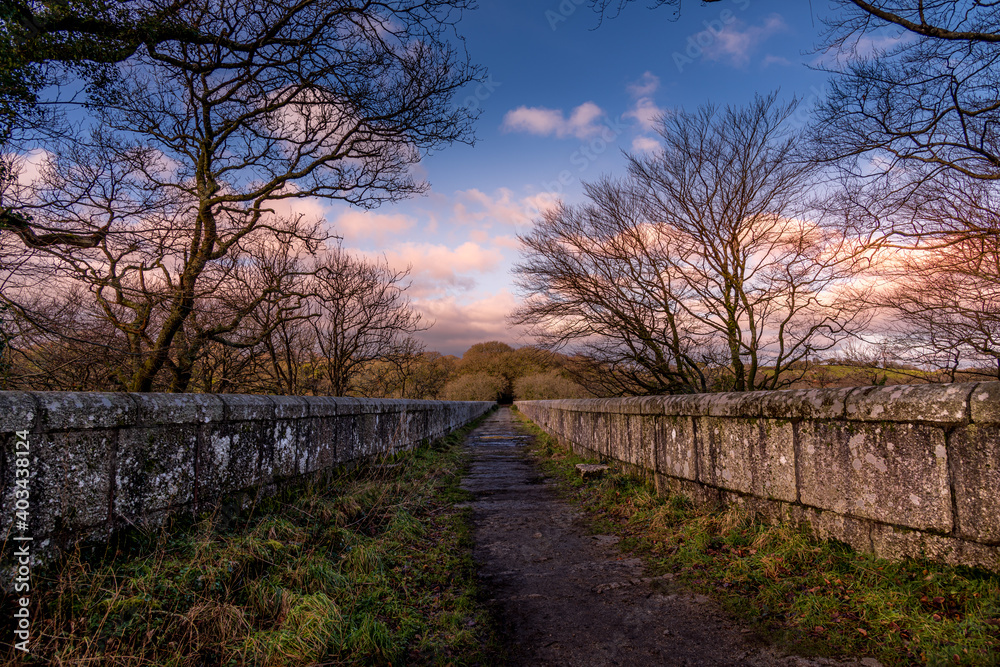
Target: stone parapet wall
[
  {"x": 100, "y": 461},
  {"x": 908, "y": 470}
]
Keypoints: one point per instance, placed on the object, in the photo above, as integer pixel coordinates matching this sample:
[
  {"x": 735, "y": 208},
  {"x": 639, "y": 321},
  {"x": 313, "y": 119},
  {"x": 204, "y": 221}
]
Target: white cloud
[
  {"x": 864, "y": 46},
  {"x": 645, "y": 113},
  {"x": 735, "y": 43},
  {"x": 582, "y": 122},
  {"x": 645, "y": 144},
  {"x": 647, "y": 84}
]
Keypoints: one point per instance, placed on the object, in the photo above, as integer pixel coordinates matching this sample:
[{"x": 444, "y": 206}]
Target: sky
[{"x": 564, "y": 97}]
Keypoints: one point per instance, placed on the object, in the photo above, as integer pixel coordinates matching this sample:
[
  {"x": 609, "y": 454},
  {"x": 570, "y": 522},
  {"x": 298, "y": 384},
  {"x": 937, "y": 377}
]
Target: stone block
[
  {"x": 68, "y": 410},
  {"x": 322, "y": 406},
  {"x": 69, "y": 485},
  {"x": 979, "y": 555},
  {"x": 234, "y": 456},
  {"x": 939, "y": 403},
  {"x": 676, "y": 451},
  {"x": 763, "y": 509},
  {"x": 244, "y": 407},
  {"x": 155, "y": 470},
  {"x": 602, "y": 434},
  {"x": 692, "y": 405},
  {"x": 348, "y": 438},
  {"x": 974, "y": 455},
  {"x": 726, "y": 404},
  {"x": 283, "y": 448},
  {"x": 754, "y": 456},
  {"x": 891, "y": 472},
  {"x": 19, "y": 411},
  {"x": 155, "y": 409},
  {"x": 897, "y": 543},
  {"x": 833, "y": 526},
  {"x": 798, "y": 403},
  {"x": 290, "y": 407},
  {"x": 699, "y": 494},
  {"x": 984, "y": 403}
]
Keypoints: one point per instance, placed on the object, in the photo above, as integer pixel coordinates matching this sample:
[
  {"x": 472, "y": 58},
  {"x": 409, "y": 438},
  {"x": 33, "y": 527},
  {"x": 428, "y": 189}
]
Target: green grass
[
  {"x": 373, "y": 567},
  {"x": 812, "y": 597}
]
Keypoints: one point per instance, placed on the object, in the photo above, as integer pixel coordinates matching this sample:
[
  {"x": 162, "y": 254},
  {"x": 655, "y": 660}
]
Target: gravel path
[{"x": 569, "y": 598}]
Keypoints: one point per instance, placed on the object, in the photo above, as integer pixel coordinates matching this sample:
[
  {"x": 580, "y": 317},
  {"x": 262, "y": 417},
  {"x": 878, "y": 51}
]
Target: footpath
[{"x": 565, "y": 596}]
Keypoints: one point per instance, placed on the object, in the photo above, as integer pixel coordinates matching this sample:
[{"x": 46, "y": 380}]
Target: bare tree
[
  {"x": 928, "y": 100},
  {"x": 696, "y": 273},
  {"x": 943, "y": 309},
  {"x": 199, "y": 142},
  {"x": 361, "y": 316},
  {"x": 913, "y": 108}
]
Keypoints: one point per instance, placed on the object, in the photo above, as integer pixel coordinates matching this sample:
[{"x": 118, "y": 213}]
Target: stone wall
[
  {"x": 910, "y": 470},
  {"x": 99, "y": 461}
]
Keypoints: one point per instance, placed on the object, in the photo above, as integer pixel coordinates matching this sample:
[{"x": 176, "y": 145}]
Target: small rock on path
[{"x": 567, "y": 597}]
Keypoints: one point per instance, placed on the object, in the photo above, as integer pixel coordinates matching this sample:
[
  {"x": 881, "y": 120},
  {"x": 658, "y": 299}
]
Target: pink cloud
[
  {"x": 459, "y": 325},
  {"x": 436, "y": 267},
  {"x": 503, "y": 207},
  {"x": 357, "y": 226},
  {"x": 582, "y": 122}
]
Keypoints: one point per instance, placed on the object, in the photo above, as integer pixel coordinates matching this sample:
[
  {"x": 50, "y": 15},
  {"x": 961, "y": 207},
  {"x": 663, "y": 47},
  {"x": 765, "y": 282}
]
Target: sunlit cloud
[
  {"x": 770, "y": 59},
  {"x": 459, "y": 324},
  {"x": 437, "y": 268},
  {"x": 864, "y": 46},
  {"x": 582, "y": 122},
  {"x": 358, "y": 226}
]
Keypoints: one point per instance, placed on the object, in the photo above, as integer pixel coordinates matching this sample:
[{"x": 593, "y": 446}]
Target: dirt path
[{"x": 567, "y": 597}]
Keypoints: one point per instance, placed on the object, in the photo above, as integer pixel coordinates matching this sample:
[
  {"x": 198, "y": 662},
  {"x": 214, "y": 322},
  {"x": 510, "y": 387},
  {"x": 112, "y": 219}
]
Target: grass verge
[
  {"x": 371, "y": 567},
  {"x": 809, "y": 596}
]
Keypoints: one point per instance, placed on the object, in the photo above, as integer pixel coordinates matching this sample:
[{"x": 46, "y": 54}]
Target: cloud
[
  {"x": 645, "y": 113},
  {"x": 866, "y": 45},
  {"x": 459, "y": 324},
  {"x": 735, "y": 43},
  {"x": 356, "y": 226},
  {"x": 582, "y": 122},
  {"x": 775, "y": 60},
  {"x": 646, "y": 85},
  {"x": 436, "y": 268},
  {"x": 645, "y": 144}
]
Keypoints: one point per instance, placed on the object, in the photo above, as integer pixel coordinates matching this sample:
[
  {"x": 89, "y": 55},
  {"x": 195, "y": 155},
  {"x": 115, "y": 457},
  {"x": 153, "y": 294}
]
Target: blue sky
[{"x": 563, "y": 99}]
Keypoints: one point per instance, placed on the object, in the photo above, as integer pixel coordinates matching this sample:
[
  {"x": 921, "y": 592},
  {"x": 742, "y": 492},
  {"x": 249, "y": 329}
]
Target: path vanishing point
[{"x": 567, "y": 597}]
